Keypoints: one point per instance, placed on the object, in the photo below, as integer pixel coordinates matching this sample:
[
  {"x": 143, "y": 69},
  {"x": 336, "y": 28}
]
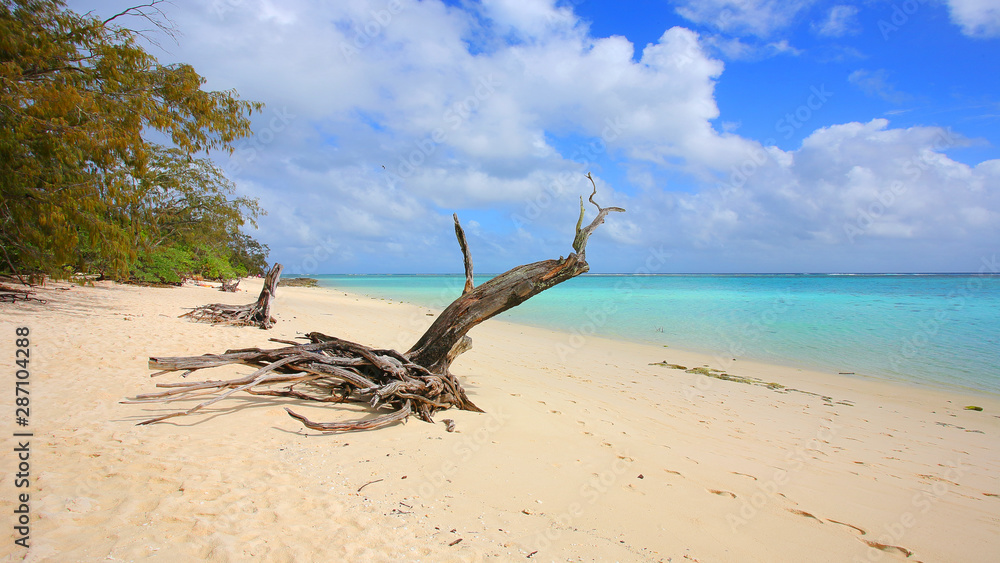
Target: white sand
[{"x": 586, "y": 453}]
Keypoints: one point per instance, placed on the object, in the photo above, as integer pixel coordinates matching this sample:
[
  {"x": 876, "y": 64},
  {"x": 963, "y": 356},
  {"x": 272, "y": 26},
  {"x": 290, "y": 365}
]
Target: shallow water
[{"x": 925, "y": 328}]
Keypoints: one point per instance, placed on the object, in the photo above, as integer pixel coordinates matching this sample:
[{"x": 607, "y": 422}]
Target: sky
[{"x": 741, "y": 136}]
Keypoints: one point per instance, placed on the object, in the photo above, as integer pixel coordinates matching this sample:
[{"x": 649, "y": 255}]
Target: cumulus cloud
[
  {"x": 849, "y": 185},
  {"x": 977, "y": 18},
  {"x": 384, "y": 117}
]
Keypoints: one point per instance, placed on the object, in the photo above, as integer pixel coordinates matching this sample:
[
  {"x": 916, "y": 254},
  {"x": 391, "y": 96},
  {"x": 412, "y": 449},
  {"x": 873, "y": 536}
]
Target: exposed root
[
  {"x": 327, "y": 370},
  {"x": 11, "y": 295}
]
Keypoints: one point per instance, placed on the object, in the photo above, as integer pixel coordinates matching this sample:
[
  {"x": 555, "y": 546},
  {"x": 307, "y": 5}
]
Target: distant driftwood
[{"x": 254, "y": 314}]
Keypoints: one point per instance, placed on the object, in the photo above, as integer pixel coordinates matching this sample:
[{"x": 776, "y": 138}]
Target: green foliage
[
  {"x": 80, "y": 187},
  {"x": 248, "y": 254},
  {"x": 213, "y": 263},
  {"x": 165, "y": 265},
  {"x": 173, "y": 264}
]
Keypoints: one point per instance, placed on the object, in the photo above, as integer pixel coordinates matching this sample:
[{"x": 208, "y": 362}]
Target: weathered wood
[
  {"x": 11, "y": 295},
  {"x": 446, "y": 337},
  {"x": 257, "y": 314},
  {"x": 332, "y": 370},
  {"x": 335, "y": 370},
  {"x": 466, "y": 256},
  {"x": 230, "y": 286}
]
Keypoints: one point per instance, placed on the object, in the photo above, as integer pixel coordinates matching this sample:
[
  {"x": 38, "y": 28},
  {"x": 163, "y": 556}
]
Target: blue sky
[{"x": 741, "y": 136}]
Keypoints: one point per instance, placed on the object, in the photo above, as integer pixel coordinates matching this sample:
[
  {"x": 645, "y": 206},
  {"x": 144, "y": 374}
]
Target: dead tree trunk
[
  {"x": 230, "y": 286},
  {"x": 257, "y": 314},
  {"x": 328, "y": 369}
]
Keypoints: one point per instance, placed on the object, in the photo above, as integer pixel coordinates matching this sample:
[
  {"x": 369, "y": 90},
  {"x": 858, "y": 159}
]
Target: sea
[{"x": 941, "y": 330}]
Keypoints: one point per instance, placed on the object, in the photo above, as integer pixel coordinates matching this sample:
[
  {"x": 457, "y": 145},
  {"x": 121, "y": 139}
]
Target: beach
[{"x": 590, "y": 449}]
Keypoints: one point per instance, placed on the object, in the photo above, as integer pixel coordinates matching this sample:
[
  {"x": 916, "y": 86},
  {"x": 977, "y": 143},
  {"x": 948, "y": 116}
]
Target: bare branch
[
  {"x": 465, "y": 254},
  {"x": 152, "y": 13},
  {"x": 580, "y": 241}
]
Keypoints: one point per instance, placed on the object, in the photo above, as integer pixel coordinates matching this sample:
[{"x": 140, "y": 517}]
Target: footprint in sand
[
  {"x": 857, "y": 529},
  {"x": 803, "y": 513},
  {"x": 888, "y": 548},
  {"x": 722, "y": 493}
]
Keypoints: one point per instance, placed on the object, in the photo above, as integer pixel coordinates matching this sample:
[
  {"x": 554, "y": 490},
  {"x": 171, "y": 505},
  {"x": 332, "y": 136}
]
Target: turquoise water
[{"x": 934, "y": 329}]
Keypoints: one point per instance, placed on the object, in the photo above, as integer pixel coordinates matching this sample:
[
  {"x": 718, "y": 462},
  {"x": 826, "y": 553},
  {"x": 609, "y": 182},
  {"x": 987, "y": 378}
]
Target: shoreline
[
  {"x": 585, "y": 452},
  {"x": 716, "y": 359},
  {"x": 957, "y": 358}
]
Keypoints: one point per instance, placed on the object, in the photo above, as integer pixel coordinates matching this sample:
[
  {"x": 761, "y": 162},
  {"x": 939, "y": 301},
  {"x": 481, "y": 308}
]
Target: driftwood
[
  {"x": 253, "y": 314},
  {"x": 230, "y": 286},
  {"x": 396, "y": 385},
  {"x": 11, "y": 295}
]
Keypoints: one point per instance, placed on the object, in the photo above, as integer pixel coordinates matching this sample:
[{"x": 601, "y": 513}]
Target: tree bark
[{"x": 446, "y": 338}]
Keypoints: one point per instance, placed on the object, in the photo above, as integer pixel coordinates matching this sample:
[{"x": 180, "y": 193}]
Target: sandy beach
[{"x": 588, "y": 451}]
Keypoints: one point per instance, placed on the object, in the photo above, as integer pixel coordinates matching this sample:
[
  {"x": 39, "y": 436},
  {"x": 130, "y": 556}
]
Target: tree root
[
  {"x": 11, "y": 295},
  {"x": 328, "y": 370}
]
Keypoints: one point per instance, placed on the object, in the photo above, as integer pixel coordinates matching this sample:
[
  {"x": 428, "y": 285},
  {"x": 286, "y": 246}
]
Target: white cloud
[
  {"x": 849, "y": 185},
  {"x": 840, "y": 21},
  {"x": 977, "y": 18},
  {"x": 734, "y": 48},
  {"x": 876, "y": 83},
  {"x": 750, "y": 17},
  {"x": 381, "y": 123}
]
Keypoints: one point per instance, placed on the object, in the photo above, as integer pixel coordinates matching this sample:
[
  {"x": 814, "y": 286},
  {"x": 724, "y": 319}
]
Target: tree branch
[
  {"x": 465, "y": 254},
  {"x": 580, "y": 241}
]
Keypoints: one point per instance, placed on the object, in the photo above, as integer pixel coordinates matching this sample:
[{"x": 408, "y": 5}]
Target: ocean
[{"x": 933, "y": 329}]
